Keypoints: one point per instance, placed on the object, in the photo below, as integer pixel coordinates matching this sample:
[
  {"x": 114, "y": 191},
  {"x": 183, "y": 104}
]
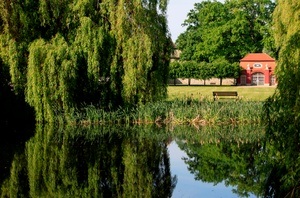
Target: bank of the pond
[{"x": 177, "y": 112}]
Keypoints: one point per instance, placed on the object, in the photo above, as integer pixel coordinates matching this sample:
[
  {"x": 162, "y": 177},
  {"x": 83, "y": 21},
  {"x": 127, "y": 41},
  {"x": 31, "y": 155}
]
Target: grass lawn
[{"x": 253, "y": 93}]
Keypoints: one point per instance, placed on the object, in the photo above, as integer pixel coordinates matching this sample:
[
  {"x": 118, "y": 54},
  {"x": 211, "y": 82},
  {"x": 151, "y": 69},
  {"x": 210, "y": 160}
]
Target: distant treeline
[{"x": 191, "y": 69}]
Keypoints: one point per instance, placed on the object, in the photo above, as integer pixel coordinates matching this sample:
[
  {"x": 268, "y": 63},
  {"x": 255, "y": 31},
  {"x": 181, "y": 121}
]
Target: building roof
[{"x": 257, "y": 57}]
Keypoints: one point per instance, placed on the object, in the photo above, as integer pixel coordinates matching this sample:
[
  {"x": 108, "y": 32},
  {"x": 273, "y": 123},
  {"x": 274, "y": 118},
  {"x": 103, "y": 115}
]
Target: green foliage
[
  {"x": 185, "y": 69},
  {"x": 230, "y": 30},
  {"x": 177, "y": 112},
  {"x": 190, "y": 69},
  {"x": 174, "y": 70},
  {"x": 143, "y": 48},
  {"x": 187, "y": 42},
  {"x": 13, "y": 107},
  {"x": 50, "y": 69},
  {"x": 222, "y": 33},
  {"x": 220, "y": 68},
  {"x": 112, "y": 162},
  {"x": 205, "y": 71},
  {"x": 282, "y": 109},
  {"x": 63, "y": 54},
  {"x": 223, "y": 69},
  {"x": 229, "y": 154}
]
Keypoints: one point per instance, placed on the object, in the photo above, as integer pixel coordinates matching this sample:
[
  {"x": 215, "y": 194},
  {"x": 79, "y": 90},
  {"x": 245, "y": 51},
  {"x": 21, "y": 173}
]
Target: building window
[
  {"x": 258, "y": 79},
  {"x": 257, "y": 65}
]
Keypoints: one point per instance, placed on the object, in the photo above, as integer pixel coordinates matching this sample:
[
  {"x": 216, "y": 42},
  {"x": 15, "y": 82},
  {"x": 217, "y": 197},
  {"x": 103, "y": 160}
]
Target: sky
[{"x": 177, "y": 13}]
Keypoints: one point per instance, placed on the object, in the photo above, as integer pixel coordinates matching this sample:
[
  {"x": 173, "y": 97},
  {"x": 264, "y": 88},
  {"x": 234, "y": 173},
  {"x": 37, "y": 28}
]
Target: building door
[{"x": 258, "y": 79}]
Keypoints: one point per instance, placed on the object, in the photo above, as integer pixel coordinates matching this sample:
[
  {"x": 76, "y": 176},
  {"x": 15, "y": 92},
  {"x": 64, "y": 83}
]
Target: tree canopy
[
  {"x": 227, "y": 30},
  {"x": 220, "y": 68},
  {"x": 283, "y": 108},
  {"x": 62, "y": 54}
]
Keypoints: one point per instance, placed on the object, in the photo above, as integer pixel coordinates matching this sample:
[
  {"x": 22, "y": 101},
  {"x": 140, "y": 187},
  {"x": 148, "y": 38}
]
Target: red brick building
[{"x": 258, "y": 69}]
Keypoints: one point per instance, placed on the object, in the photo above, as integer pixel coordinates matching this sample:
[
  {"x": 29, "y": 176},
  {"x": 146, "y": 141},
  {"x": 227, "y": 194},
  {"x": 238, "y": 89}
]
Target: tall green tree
[
  {"x": 223, "y": 69},
  {"x": 199, "y": 22},
  {"x": 190, "y": 69},
  {"x": 62, "y": 54},
  {"x": 205, "y": 71},
  {"x": 250, "y": 26},
  {"x": 283, "y": 108},
  {"x": 175, "y": 70},
  {"x": 231, "y": 30}
]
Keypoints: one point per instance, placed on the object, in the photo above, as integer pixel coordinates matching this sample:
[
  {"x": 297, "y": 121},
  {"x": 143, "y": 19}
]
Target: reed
[
  {"x": 236, "y": 134},
  {"x": 176, "y": 112},
  {"x": 231, "y": 134}
]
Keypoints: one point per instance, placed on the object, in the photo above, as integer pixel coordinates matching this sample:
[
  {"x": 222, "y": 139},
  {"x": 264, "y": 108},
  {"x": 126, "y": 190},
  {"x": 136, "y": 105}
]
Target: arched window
[{"x": 258, "y": 79}]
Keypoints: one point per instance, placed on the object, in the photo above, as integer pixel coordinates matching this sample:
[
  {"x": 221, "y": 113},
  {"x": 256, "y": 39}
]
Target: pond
[
  {"x": 134, "y": 161},
  {"x": 187, "y": 186}
]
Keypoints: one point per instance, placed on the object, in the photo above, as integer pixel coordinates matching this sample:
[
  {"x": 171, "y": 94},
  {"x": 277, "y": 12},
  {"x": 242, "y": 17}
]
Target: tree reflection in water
[
  {"x": 108, "y": 161},
  {"x": 91, "y": 162},
  {"x": 242, "y": 156},
  {"x": 214, "y": 156}
]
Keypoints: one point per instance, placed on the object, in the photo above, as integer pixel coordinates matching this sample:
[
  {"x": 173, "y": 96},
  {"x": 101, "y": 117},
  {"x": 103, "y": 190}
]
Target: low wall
[{"x": 213, "y": 81}]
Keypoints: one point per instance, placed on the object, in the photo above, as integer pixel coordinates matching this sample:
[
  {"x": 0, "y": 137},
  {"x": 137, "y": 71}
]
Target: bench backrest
[{"x": 225, "y": 93}]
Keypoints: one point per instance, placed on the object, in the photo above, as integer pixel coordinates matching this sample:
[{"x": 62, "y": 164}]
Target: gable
[{"x": 257, "y": 57}]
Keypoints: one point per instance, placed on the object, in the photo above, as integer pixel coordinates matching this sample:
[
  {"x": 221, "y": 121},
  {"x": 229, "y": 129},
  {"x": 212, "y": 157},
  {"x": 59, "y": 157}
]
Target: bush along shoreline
[{"x": 176, "y": 112}]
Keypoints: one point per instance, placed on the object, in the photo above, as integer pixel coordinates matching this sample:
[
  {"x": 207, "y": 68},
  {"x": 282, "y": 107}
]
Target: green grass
[
  {"x": 192, "y": 105},
  {"x": 177, "y": 112},
  {"x": 248, "y": 93}
]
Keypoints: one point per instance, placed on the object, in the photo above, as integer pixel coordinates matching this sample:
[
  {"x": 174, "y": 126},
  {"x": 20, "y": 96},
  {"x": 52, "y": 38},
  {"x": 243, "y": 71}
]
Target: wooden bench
[{"x": 221, "y": 94}]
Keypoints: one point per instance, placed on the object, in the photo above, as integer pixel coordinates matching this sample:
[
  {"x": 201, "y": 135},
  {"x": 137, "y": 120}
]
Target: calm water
[
  {"x": 151, "y": 161},
  {"x": 187, "y": 186}
]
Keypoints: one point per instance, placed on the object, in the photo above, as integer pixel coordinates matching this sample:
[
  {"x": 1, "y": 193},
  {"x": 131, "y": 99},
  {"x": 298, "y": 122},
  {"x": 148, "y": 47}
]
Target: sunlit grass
[{"x": 253, "y": 93}]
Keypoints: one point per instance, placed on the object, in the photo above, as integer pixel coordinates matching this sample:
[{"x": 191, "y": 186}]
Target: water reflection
[
  {"x": 187, "y": 186},
  {"x": 12, "y": 144},
  {"x": 108, "y": 161},
  {"x": 99, "y": 162},
  {"x": 227, "y": 154}
]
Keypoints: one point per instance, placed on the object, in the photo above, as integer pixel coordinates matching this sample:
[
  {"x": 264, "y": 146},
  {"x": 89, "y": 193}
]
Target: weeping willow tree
[
  {"x": 283, "y": 108},
  {"x": 63, "y": 54},
  {"x": 140, "y": 30}
]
